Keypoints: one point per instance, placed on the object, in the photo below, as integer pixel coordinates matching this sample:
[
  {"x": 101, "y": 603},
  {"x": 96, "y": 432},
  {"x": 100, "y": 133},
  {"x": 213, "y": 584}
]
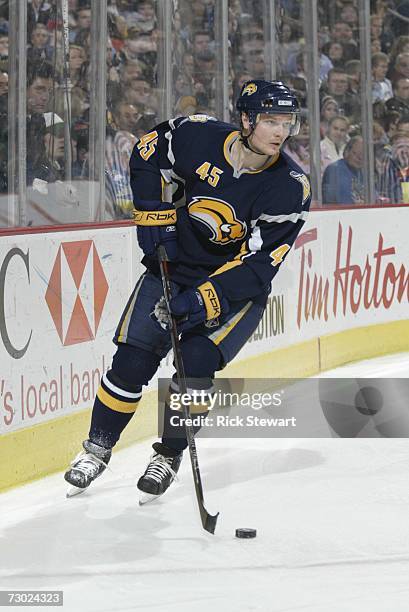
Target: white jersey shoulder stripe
[
  {"x": 168, "y": 136},
  {"x": 293, "y": 218},
  {"x": 255, "y": 241}
]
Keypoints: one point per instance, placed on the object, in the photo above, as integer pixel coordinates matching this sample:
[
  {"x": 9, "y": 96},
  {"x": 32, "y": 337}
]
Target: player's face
[{"x": 270, "y": 133}]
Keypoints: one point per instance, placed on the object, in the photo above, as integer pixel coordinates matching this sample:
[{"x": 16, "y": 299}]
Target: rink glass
[{"x": 64, "y": 159}]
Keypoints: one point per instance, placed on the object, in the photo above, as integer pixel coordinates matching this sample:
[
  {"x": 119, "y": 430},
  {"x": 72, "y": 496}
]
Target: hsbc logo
[
  {"x": 17, "y": 257},
  {"x": 76, "y": 292}
]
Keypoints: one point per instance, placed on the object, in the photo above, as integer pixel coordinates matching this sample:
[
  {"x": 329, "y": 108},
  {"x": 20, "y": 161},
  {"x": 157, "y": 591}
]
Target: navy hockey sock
[
  {"x": 119, "y": 393},
  {"x": 114, "y": 406}
]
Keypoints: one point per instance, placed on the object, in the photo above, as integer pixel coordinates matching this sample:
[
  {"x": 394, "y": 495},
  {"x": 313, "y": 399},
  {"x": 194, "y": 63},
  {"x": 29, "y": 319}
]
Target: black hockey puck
[{"x": 246, "y": 532}]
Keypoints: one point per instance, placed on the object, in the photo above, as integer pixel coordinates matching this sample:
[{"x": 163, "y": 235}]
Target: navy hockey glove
[
  {"x": 156, "y": 224},
  {"x": 202, "y": 304}
]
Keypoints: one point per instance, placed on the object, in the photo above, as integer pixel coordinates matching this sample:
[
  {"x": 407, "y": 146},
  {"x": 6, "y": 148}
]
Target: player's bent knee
[
  {"x": 201, "y": 358},
  {"x": 133, "y": 365}
]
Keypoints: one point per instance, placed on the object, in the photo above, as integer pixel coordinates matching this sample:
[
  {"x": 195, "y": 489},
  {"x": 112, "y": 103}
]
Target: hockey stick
[{"x": 208, "y": 521}]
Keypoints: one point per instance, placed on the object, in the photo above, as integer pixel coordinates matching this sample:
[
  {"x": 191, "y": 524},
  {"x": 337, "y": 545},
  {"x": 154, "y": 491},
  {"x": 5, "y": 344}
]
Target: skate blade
[
  {"x": 147, "y": 498},
  {"x": 72, "y": 491}
]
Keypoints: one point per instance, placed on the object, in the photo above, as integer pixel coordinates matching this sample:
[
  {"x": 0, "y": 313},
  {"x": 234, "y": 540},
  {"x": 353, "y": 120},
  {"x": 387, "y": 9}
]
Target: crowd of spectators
[
  {"x": 59, "y": 86},
  {"x": 342, "y": 100}
]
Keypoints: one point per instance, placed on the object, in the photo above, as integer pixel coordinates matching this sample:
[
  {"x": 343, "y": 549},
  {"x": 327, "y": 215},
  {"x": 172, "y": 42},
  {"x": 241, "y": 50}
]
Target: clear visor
[{"x": 295, "y": 122}]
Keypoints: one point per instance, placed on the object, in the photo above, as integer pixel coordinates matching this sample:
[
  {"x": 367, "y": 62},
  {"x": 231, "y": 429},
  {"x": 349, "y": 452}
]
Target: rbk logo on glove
[
  {"x": 155, "y": 217},
  {"x": 202, "y": 304},
  {"x": 211, "y": 300},
  {"x": 155, "y": 225}
]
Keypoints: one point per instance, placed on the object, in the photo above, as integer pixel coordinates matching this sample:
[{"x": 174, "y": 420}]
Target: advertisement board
[
  {"x": 347, "y": 269},
  {"x": 62, "y": 293}
]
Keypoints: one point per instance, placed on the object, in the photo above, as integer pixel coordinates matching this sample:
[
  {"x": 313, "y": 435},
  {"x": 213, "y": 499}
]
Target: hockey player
[{"x": 238, "y": 205}]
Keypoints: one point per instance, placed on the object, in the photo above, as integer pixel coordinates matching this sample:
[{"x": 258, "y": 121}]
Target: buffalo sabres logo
[
  {"x": 249, "y": 89},
  {"x": 301, "y": 178},
  {"x": 219, "y": 217}
]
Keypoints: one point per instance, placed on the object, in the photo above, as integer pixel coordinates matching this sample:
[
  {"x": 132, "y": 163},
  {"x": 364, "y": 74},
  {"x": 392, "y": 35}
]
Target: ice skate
[
  {"x": 86, "y": 467},
  {"x": 160, "y": 473}
]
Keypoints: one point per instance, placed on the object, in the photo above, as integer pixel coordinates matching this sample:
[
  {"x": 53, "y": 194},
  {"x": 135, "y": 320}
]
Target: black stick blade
[{"x": 209, "y": 522}]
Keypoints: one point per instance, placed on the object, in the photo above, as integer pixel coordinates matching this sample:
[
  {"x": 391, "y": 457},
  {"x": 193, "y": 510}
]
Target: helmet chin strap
[{"x": 245, "y": 141}]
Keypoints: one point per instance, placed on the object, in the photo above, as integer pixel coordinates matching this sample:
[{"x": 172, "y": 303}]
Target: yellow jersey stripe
[
  {"x": 237, "y": 261},
  {"x": 227, "y": 266},
  {"x": 226, "y": 329},
  {"x": 124, "y": 327}
]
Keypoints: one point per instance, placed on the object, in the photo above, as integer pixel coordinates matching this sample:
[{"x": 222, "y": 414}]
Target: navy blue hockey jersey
[{"x": 236, "y": 226}]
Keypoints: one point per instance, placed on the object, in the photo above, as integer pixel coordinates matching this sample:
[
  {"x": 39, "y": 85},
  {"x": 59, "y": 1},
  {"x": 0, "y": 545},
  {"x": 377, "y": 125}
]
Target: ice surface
[{"x": 331, "y": 518}]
